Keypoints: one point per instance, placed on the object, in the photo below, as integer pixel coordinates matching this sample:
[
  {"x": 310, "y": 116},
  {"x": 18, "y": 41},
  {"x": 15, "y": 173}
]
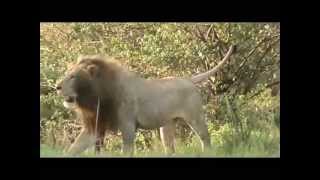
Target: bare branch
[
  {"x": 253, "y": 50},
  {"x": 267, "y": 86},
  {"x": 200, "y": 34},
  {"x": 209, "y": 31}
]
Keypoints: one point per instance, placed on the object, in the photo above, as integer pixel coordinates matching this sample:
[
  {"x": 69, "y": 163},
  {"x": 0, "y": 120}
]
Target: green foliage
[{"x": 243, "y": 115}]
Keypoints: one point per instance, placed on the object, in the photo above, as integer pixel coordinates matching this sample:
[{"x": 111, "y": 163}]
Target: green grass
[
  {"x": 181, "y": 151},
  {"x": 260, "y": 143},
  {"x": 224, "y": 144}
]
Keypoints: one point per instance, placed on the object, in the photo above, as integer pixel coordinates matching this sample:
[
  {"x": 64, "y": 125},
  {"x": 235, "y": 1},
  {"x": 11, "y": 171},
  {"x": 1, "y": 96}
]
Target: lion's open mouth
[
  {"x": 69, "y": 102},
  {"x": 69, "y": 105},
  {"x": 70, "y": 99}
]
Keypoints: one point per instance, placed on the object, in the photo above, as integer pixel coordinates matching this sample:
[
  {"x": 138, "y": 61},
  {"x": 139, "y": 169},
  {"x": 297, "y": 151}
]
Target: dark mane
[{"x": 106, "y": 89}]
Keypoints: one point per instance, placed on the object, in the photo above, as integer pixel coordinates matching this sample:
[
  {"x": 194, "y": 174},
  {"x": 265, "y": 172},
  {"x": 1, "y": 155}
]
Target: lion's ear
[{"x": 92, "y": 70}]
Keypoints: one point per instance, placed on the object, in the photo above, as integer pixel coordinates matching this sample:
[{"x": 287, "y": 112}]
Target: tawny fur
[{"x": 128, "y": 102}]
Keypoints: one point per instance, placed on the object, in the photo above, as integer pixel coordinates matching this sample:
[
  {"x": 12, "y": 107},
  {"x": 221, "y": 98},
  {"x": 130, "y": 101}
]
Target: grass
[
  {"x": 225, "y": 143},
  {"x": 181, "y": 151},
  {"x": 260, "y": 143}
]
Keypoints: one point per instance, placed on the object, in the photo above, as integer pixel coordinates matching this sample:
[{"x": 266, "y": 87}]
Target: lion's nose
[{"x": 70, "y": 99}]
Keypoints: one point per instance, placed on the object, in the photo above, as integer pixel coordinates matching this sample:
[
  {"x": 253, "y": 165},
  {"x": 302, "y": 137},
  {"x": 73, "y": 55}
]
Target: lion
[{"x": 107, "y": 96}]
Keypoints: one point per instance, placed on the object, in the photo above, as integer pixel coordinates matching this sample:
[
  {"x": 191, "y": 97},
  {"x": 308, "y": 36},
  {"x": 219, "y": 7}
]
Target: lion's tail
[{"x": 204, "y": 76}]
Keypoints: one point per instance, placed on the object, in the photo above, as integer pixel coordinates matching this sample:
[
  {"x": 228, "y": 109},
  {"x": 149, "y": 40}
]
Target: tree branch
[
  {"x": 200, "y": 34},
  {"x": 267, "y": 86},
  {"x": 262, "y": 90},
  {"x": 209, "y": 31},
  {"x": 254, "y": 73},
  {"x": 253, "y": 50}
]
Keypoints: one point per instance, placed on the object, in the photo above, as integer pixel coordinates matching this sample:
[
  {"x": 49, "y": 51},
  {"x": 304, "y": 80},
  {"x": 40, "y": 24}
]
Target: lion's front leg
[
  {"x": 128, "y": 136},
  {"x": 127, "y": 126},
  {"x": 100, "y": 140},
  {"x": 99, "y": 144},
  {"x": 83, "y": 141},
  {"x": 128, "y": 129}
]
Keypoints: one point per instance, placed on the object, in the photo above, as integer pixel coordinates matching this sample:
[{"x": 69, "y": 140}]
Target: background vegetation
[{"x": 242, "y": 101}]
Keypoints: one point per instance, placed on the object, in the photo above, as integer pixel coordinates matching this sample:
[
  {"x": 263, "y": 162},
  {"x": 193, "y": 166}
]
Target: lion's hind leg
[
  {"x": 167, "y": 134},
  {"x": 201, "y": 129}
]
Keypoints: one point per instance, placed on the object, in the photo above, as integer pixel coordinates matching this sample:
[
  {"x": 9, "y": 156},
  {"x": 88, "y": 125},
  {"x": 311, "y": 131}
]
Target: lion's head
[
  {"x": 90, "y": 79},
  {"x": 81, "y": 85}
]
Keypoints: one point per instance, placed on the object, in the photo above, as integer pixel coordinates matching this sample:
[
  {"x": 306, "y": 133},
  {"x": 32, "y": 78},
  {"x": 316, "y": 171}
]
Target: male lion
[{"x": 123, "y": 101}]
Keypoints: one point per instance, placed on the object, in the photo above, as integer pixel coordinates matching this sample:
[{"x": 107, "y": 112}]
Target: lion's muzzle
[
  {"x": 69, "y": 102},
  {"x": 69, "y": 105},
  {"x": 70, "y": 99}
]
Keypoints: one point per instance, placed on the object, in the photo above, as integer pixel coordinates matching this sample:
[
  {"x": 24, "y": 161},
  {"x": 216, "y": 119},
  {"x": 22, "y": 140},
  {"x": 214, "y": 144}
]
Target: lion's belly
[
  {"x": 148, "y": 121},
  {"x": 153, "y": 117}
]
